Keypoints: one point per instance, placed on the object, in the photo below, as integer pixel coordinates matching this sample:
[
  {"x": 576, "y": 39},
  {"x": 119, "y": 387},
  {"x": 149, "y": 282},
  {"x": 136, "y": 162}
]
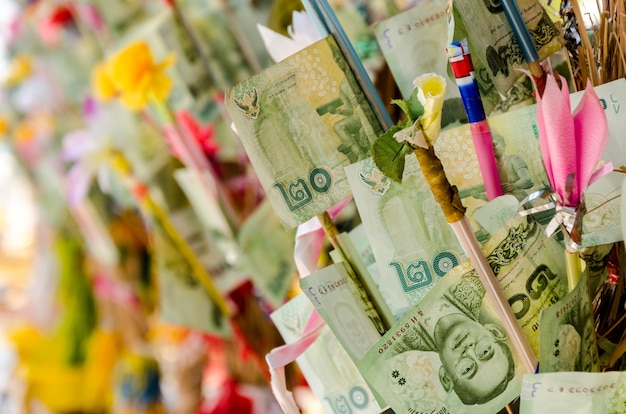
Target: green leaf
[
  {"x": 412, "y": 107},
  {"x": 389, "y": 154},
  {"x": 403, "y": 105},
  {"x": 415, "y": 107}
]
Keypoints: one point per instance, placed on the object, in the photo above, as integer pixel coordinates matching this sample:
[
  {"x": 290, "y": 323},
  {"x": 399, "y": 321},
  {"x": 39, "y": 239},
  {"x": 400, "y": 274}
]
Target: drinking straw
[
  {"x": 521, "y": 33},
  {"x": 528, "y": 48},
  {"x": 461, "y": 63}
]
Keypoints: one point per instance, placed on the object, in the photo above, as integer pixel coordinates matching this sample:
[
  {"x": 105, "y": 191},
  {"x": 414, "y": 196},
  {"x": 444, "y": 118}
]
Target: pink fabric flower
[{"x": 571, "y": 143}]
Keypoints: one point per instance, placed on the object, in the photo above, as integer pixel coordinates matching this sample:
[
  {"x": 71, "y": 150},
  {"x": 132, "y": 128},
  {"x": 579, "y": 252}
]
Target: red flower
[
  {"x": 204, "y": 135},
  {"x": 61, "y": 16}
]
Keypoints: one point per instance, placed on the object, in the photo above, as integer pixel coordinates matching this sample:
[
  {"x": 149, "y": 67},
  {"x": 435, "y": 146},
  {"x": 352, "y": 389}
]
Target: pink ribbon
[{"x": 285, "y": 354}]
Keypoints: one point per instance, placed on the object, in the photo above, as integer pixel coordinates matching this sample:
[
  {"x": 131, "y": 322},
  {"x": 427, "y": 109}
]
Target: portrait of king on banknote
[{"x": 449, "y": 354}]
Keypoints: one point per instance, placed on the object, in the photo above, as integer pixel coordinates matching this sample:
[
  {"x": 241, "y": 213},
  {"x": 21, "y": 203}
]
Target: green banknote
[
  {"x": 336, "y": 297},
  {"x": 530, "y": 269},
  {"x": 183, "y": 300},
  {"x": 410, "y": 238},
  {"x": 518, "y": 158},
  {"x": 493, "y": 40},
  {"x": 567, "y": 333},
  {"x": 301, "y": 121},
  {"x": 267, "y": 254},
  {"x": 208, "y": 210},
  {"x": 574, "y": 393},
  {"x": 355, "y": 246},
  {"x": 328, "y": 369},
  {"x": 449, "y": 354},
  {"x": 601, "y": 223},
  {"x": 419, "y": 36}
]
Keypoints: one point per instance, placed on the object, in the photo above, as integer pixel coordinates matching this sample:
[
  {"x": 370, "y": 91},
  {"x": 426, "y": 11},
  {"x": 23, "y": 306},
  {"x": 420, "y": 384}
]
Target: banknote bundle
[
  {"x": 308, "y": 129},
  {"x": 424, "y": 358}
]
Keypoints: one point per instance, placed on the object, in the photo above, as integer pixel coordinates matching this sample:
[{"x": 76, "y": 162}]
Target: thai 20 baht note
[
  {"x": 333, "y": 292},
  {"x": 409, "y": 235},
  {"x": 267, "y": 254},
  {"x": 574, "y": 393},
  {"x": 301, "y": 121},
  {"x": 355, "y": 248},
  {"x": 495, "y": 44},
  {"x": 328, "y": 369},
  {"x": 530, "y": 270},
  {"x": 449, "y": 354},
  {"x": 183, "y": 299},
  {"x": 567, "y": 333}
]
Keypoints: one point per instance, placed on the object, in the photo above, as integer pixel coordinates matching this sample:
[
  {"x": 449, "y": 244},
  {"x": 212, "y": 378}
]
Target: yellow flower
[
  {"x": 138, "y": 78},
  {"x": 101, "y": 82},
  {"x": 19, "y": 69},
  {"x": 4, "y": 126},
  {"x": 431, "y": 91}
]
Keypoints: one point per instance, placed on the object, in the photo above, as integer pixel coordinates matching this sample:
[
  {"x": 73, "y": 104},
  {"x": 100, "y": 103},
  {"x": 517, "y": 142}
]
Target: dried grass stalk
[{"x": 602, "y": 58}]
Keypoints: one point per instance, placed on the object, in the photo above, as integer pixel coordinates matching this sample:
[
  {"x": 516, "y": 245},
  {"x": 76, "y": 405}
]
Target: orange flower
[
  {"x": 137, "y": 77},
  {"x": 24, "y": 132}
]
